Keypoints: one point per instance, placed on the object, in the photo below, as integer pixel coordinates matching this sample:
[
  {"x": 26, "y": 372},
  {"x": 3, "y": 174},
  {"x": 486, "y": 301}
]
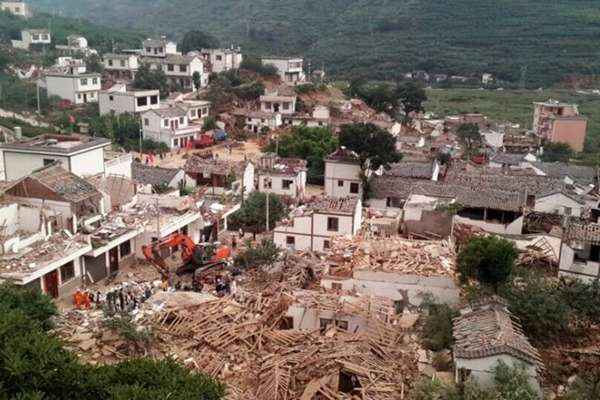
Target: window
[
  {"x": 183, "y": 68},
  {"x": 142, "y": 101},
  {"x": 48, "y": 161},
  {"x": 290, "y": 240},
  {"x": 79, "y": 95},
  {"x": 111, "y": 98},
  {"x": 267, "y": 184},
  {"x": 286, "y": 106},
  {"x": 148, "y": 49},
  {"x": 219, "y": 58},
  {"x": 286, "y": 184},
  {"x": 36, "y": 37},
  {"x": 340, "y": 183},
  {"x": 181, "y": 120},
  {"x": 170, "y": 67},
  {"x": 326, "y": 244},
  {"x": 125, "y": 248},
  {"x": 110, "y": 63},
  {"x": 67, "y": 272},
  {"x": 324, "y": 323},
  {"x": 45, "y": 37},
  {"x": 336, "y": 286},
  {"x": 568, "y": 211},
  {"x": 354, "y": 188},
  {"x": 342, "y": 325},
  {"x": 146, "y": 122},
  {"x": 94, "y": 81},
  {"x": 332, "y": 224},
  {"x": 176, "y": 143},
  {"x": 153, "y": 99},
  {"x": 122, "y": 63},
  {"x": 83, "y": 81},
  {"x": 166, "y": 123}
]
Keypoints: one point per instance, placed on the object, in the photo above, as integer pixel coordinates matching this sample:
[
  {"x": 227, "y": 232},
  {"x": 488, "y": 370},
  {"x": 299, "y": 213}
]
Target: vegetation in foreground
[{"x": 34, "y": 365}]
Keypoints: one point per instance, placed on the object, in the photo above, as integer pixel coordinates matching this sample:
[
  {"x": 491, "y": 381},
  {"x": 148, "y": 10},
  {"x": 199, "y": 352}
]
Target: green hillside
[{"x": 540, "y": 41}]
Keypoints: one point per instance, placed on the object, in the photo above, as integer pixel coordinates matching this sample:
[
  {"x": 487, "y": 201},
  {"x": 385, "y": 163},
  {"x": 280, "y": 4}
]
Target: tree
[
  {"x": 382, "y": 97},
  {"x": 149, "y": 79},
  {"x": 586, "y": 386},
  {"x": 437, "y": 329},
  {"x": 512, "y": 382},
  {"x": 197, "y": 79},
  {"x": 93, "y": 63},
  {"x": 489, "y": 259},
  {"x": 553, "y": 152},
  {"x": 469, "y": 135},
  {"x": 252, "y": 216},
  {"x": 310, "y": 144},
  {"x": 123, "y": 129},
  {"x": 198, "y": 40},
  {"x": 255, "y": 65},
  {"x": 411, "y": 97},
  {"x": 370, "y": 143},
  {"x": 262, "y": 254}
]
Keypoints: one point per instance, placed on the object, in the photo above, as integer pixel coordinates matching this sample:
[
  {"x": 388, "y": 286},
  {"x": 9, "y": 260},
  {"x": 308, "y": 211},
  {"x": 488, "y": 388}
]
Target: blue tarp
[{"x": 220, "y": 135}]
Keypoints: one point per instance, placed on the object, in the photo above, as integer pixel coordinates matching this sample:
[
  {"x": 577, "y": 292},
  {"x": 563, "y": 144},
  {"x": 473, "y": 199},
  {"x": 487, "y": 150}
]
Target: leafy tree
[
  {"x": 382, "y": 97},
  {"x": 249, "y": 91},
  {"x": 123, "y": 129},
  {"x": 411, "y": 97},
  {"x": 209, "y": 124},
  {"x": 150, "y": 79},
  {"x": 512, "y": 383},
  {"x": 311, "y": 144},
  {"x": 469, "y": 135},
  {"x": 93, "y": 63},
  {"x": 252, "y": 216},
  {"x": 586, "y": 386},
  {"x": 489, "y": 259},
  {"x": 254, "y": 64},
  {"x": 437, "y": 329},
  {"x": 262, "y": 254},
  {"x": 557, "y": 152},
  {"x": 197, "y": 79},
  {"x": 370, "y": 143},
  {"x": 33, "y": 303},
  {"x": 198, "y": 40}
]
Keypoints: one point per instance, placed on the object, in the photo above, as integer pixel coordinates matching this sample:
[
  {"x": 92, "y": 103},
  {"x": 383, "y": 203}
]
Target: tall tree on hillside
[
  {"x": 557, "y": 152},
  {"x": 488, "y": 259},
  {"x": 197, "y": 40},
  {"x": 411, "y": 97},
  {"x": 370, "y": 143},
  {"x": 469, "y": 135},
  {"x": 149, "y": 79}
]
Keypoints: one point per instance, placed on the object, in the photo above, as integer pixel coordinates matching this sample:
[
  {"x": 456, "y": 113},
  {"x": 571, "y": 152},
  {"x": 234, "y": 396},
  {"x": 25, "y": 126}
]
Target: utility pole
[
  {"x": 157, "y": 220},
  {"x": 141, "y": 132},
  {"x": 39, "y": 111},
  {"x": 268, "y": 184},
  {"x": 267, "y": 213}
]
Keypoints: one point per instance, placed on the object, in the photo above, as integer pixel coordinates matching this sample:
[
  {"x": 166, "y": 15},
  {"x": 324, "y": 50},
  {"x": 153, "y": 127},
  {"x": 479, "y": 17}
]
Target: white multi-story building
[
  {"x": 121, "y": 66},
  {"x": 81, "y": 155},
  {"x": 31, "y": 37},
  {"x": 256, "y": 121},
  {"x": 314, "y": 226},
  {"x": 158, "y": 47},
  {"x": 120, "y": 100},
  {"x": 290, "y": 69},
  {"x": 221, "y": 60},
  {"x": 282, "y": 176},
  {"x": 343, "y": 174},
  {"x": 176, "y": 125},
  {"x": 180, "y": 69},
  {"x": 276, "y": 103},
  {"x": 19, "y": 8},
  {"x": 73, "y": 86},
  {"x": 76, "y": 46}
]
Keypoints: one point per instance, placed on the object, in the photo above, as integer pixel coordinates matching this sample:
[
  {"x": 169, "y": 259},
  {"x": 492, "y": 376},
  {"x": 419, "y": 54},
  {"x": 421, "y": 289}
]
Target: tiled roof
[
  {"x": 281, "y": 166},
  {"x": 60, "y": 181},
  {"x": 582, "y": 232},
  {"x": 149, "y": 175},
  {"x": 580, "y": 174},
  {"x": 489, "y": 329},
  {"x": 53, "y": 143},
  {"x": 531, "y": 184},
  {"x": 508, "y": 158},
  {"x": 404, "y": 169},
  {"x": 170, "y": 112},
  {"x": 198, "y": 165}
]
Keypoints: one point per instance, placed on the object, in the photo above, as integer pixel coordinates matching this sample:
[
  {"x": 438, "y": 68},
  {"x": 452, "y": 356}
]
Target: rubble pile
[
  {"x": 241, "y": 342},
  {"x": 394, "y": 254}
]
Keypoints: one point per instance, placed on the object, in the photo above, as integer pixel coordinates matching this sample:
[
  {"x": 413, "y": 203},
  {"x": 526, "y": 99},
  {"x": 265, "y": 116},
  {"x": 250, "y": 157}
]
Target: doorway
[
  {"x": 51, "y": 283},
  {"x": 113, "y": 260},
  {"x": 85, "y": 98}
]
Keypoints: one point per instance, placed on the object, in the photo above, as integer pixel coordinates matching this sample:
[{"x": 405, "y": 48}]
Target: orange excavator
[{"x": 195, "y": 258}]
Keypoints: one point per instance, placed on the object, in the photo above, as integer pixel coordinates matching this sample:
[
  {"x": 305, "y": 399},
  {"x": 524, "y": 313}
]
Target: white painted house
[
  {"x": 19, "y": 8},
  {"x": 560, "y": 202},
  {"x": 81, "y": 155},
  {"x": 282, "y": 176},
  {"x": 274, "y": 103},
  {"x": 180, "y": 69},
  {"x": 256, "y": 121},
  {"x": 176, "y": 125},
  {"x": 486, "y": 333},
  {"x": 31, "y": 37},
  {"x": 313, "y": 227},
  {"x": 343, "y": 174},
  {"x": 160, "y": 47},
  {"x": 289, "y": 69},
  {"x": 72, "y": 86},
  {"x": 221, "y": 60},
  {"x": 120, "y": 100},
  {"x": 121, "y": 66}
]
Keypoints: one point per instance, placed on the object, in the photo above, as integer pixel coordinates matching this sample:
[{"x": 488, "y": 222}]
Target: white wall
[
  {"x": 277, "y": 185},
  {"x": 119, "y": 166},
  {"x": 587, "y": 271},
  {"x": 88, "y": 163},
  {"x": 556, "y": 204},
  {"x": 348, "y": 173},
  {"x": 18, "y": 165},
  {"x": 514, "y": 228}
]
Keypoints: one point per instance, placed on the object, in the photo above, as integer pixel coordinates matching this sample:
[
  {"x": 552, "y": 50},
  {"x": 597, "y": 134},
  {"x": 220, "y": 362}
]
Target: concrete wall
[
  {"x": 18, "y": 165},
  {"x": 88, "y": 163},
  {"x": 482, "y": 369},
  {"x": 119, "y": 166},
  {"x": 308, "y": 319},
  {"x": 514, "y": 228},
  {"x": 439, "y": 223},
  {"x": 277, "y": 185},
  {"x": 347, "y": 174},
  {"x": 587, "y": 271},
  {"x": 570, "y": 131}
]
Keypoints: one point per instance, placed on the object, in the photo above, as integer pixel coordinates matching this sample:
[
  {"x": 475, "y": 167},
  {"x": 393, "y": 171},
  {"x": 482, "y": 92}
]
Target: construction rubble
[{"x": 241, "y": 340}]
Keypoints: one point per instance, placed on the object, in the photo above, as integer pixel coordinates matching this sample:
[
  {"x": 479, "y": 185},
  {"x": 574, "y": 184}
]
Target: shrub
[
  {"x": 437, "y": 329},
  {"x": 489, "y": 259},
  {"x": 264, "y": 253}
]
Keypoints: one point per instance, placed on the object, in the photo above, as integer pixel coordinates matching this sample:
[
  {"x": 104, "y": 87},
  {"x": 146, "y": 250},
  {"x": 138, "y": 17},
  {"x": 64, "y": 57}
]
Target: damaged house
[
  {"x": 313, "y": 226},
  {"x": 343, "y": 174},
  {"x": 282, "y": 176},
  {"x": 156, "y": 179},
  {"x": 221, "y": 176},
  {"x": 580, "y": 251}
]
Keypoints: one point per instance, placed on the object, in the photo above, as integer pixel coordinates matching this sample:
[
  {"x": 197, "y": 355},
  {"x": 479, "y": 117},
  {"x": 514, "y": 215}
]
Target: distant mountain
[{"x": 530, "y": 41}]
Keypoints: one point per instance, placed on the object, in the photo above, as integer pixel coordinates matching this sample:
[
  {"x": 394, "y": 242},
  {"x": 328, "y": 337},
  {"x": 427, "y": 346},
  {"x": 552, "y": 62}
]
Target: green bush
[
  {"x": 437, "y": 329},
  {"x": 489, "y": 259},
  {"x": 264, "y": 253}
]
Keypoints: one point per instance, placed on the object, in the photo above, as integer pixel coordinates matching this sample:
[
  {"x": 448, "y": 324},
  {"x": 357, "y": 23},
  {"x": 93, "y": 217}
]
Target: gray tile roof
[
  {"x": 508, "y": 158},
  {"x": 581, "y": 174},
  {"x": 489, "y": 329},
  {"x": 154, "y": 176},
  {"x": 411, "y": 169}
]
